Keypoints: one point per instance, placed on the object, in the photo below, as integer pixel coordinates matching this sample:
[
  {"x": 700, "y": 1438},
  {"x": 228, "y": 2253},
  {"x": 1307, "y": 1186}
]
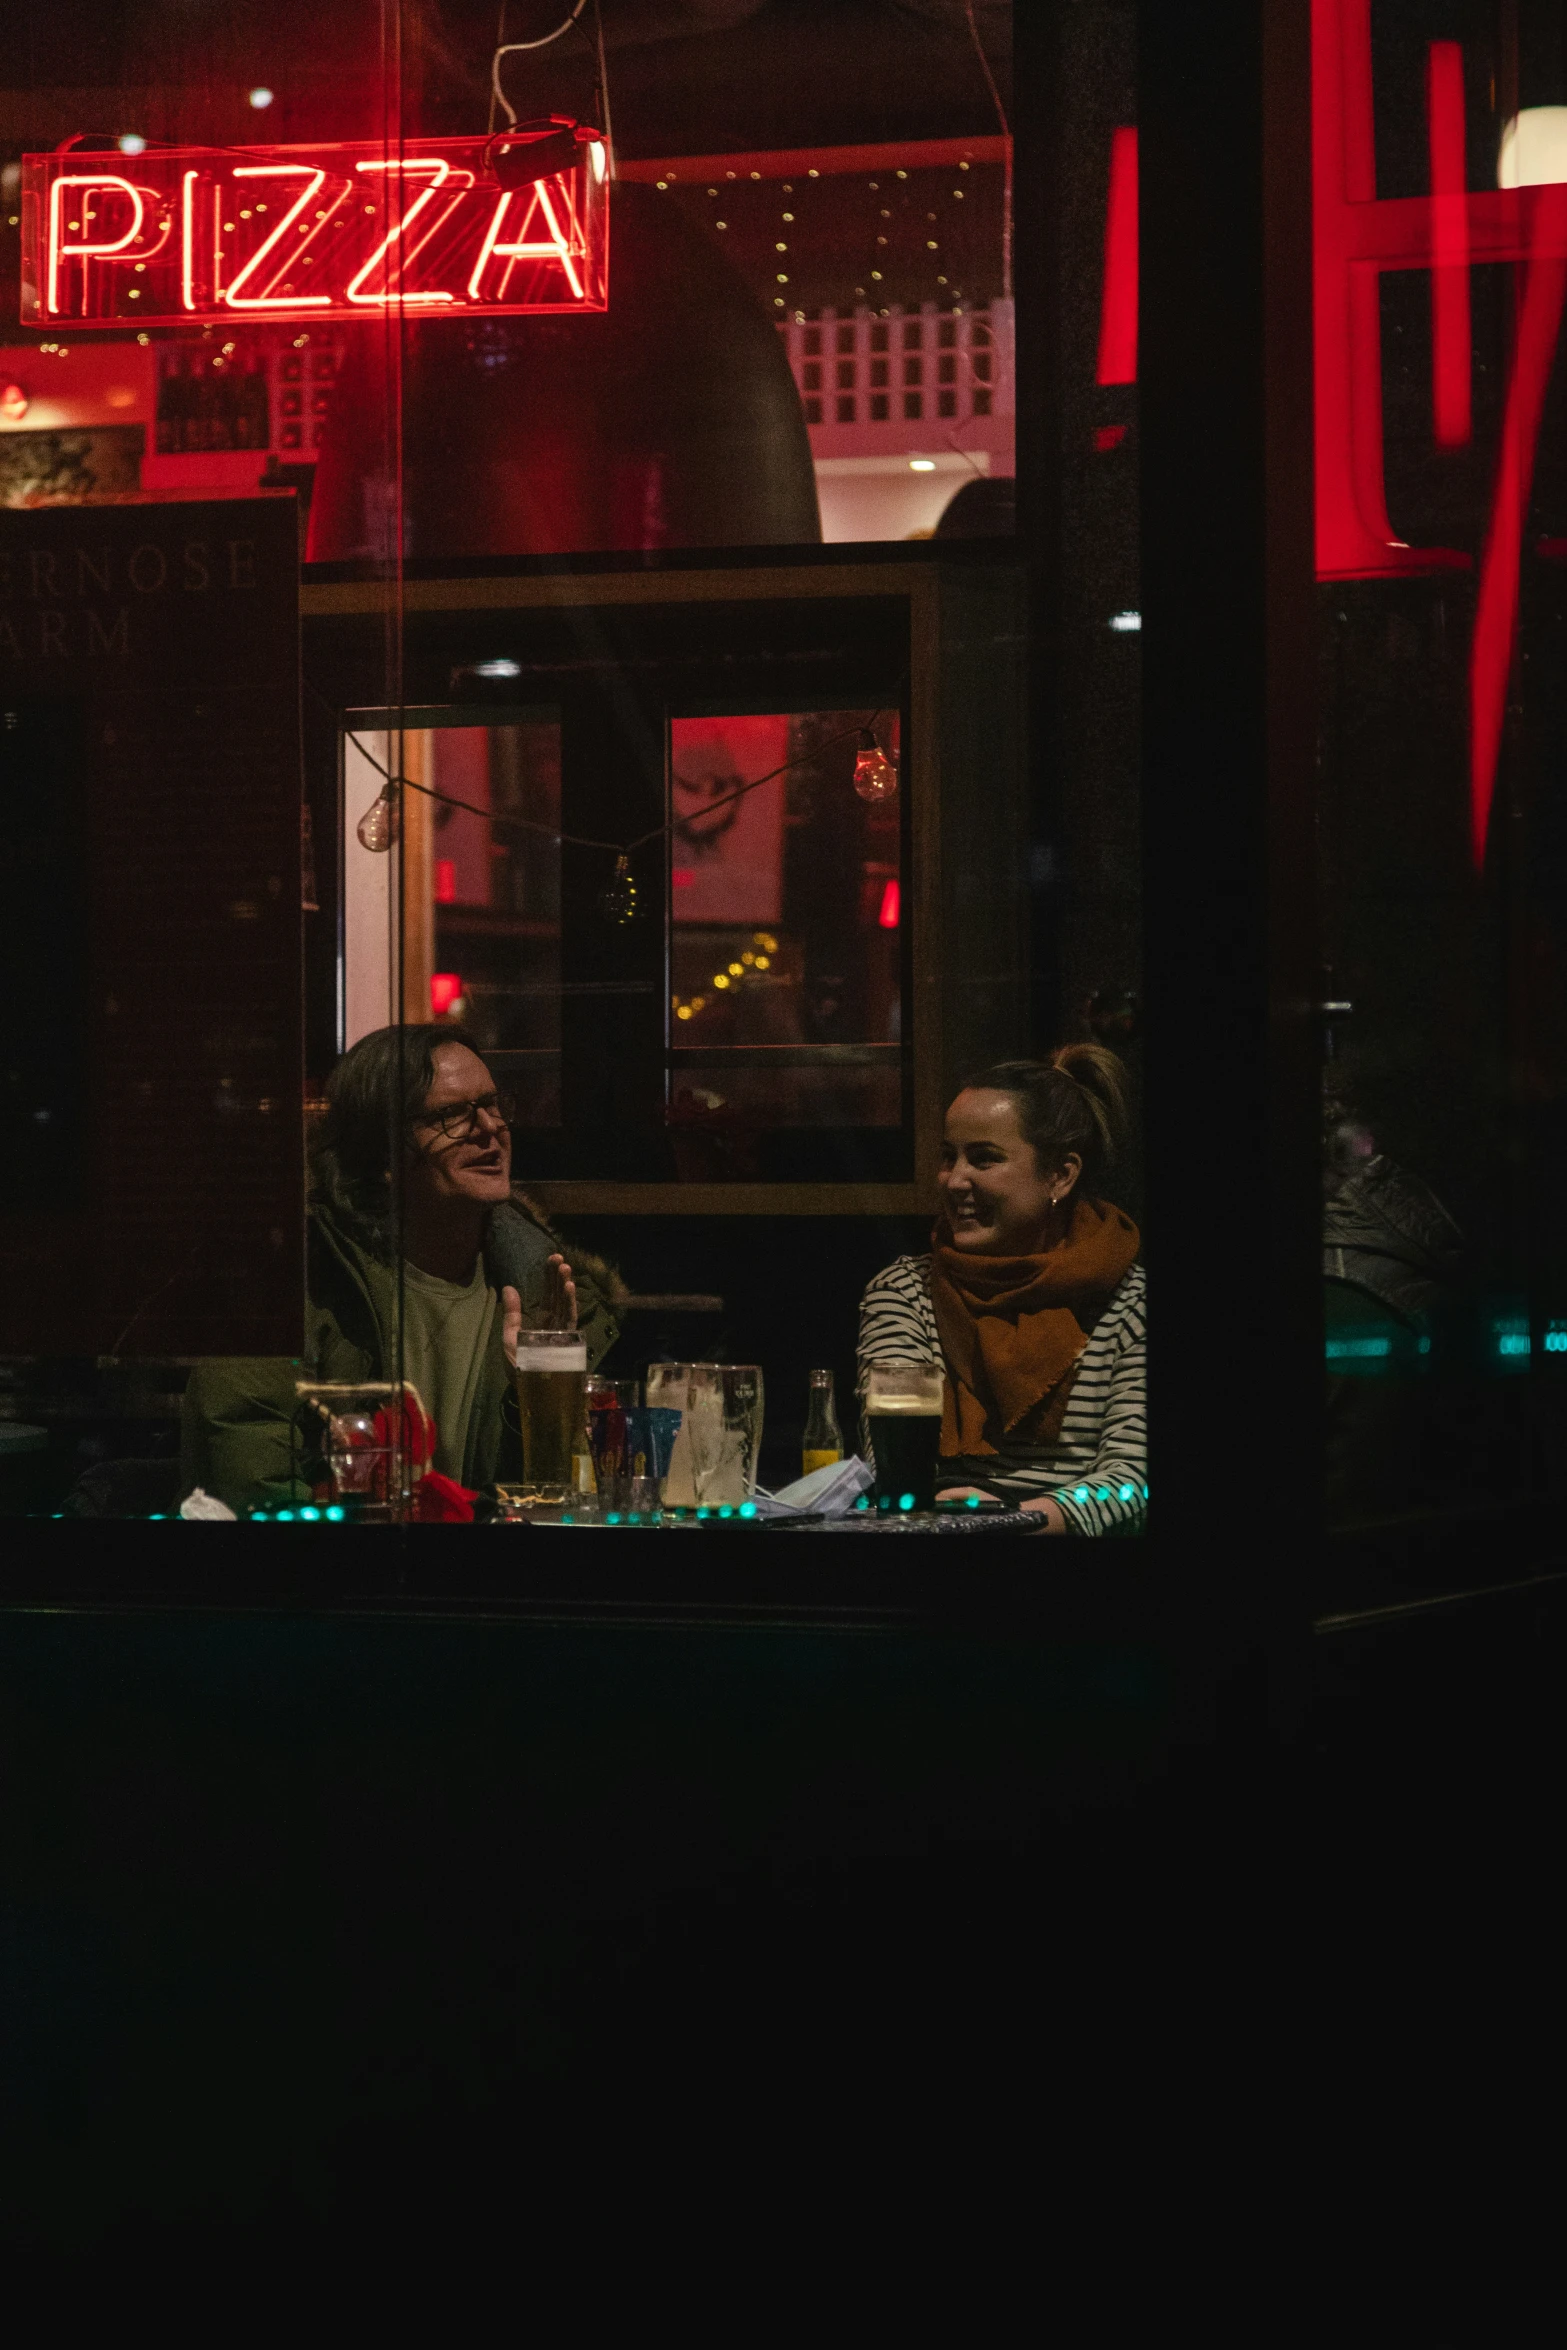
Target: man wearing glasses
[{"x": 417, "y": 1238}]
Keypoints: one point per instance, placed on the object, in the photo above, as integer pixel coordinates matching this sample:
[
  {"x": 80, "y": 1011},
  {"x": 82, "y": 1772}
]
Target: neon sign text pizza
[{"x": 207, "y": 235}]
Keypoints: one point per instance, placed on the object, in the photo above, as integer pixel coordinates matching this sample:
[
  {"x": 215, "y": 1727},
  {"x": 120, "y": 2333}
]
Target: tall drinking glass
[
  {"x": 669, "y": 1389},
  {"x": 724, "y": 1422},
  {"x": 903, "y": 1418},
  {"x": 552, "y": 1376}
]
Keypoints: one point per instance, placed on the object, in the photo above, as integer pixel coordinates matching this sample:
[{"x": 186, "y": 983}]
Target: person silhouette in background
[{"x": 1392, "y": 1259}]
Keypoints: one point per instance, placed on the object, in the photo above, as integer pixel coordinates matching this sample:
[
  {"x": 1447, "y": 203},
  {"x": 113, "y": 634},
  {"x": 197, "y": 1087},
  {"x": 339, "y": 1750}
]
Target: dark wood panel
[{"x": 149, "y": 658}]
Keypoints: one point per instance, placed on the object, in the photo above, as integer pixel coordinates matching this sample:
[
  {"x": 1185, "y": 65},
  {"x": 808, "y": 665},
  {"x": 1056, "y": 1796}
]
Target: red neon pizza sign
[{"x": 207, "y": 235}]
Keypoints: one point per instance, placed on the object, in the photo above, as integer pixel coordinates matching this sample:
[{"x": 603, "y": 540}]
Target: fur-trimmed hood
[{"x": 1385, "y": 1232}]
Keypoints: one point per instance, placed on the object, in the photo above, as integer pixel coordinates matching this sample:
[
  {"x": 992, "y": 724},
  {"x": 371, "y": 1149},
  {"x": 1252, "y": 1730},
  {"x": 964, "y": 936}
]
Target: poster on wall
[{"x": 726, "y": 846}]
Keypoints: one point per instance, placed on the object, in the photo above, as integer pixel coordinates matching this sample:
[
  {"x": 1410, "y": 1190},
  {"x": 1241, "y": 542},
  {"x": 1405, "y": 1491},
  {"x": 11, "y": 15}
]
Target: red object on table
[
  {"x": 440, "y": 1501},
  {"x": 418, "y": 1437}
]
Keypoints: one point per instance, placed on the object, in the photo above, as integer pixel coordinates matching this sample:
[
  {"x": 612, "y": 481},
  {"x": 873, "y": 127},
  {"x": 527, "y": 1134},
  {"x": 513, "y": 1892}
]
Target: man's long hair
[{"x": 356, "y": 1155}]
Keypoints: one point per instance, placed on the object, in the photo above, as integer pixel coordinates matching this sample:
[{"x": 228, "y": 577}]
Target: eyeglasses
[{"x": 457, "y": 1120}]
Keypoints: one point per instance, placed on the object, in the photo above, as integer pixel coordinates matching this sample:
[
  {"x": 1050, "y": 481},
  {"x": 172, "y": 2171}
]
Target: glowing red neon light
[
  {"x": 99, "y": 184},
  {"x": 445, "y": 988},
  {"x": 268, "y": 300},
  {"x": 332, "y": 231},
  {"x": 1450, "y": 347},
  {"x": 397, "y": 234},
  {"x": 1118, "y": 306},
  {"x": 1357, "y": 235},
  {"x": 888, "y": 917},
  {"x": 522, "y": 247},
  {"x": 1496, "y": 613}
]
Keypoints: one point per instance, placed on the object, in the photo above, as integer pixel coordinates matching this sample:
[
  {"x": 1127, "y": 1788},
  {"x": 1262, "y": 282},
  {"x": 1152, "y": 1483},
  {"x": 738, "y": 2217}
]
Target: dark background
[{"x": 166, "y": 1047}]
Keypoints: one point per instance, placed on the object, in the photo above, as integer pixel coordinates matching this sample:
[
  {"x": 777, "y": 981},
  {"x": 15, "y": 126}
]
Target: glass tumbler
[
  {"x": 724, "y": 1420},
  {"x": 668, "y": 1389}
]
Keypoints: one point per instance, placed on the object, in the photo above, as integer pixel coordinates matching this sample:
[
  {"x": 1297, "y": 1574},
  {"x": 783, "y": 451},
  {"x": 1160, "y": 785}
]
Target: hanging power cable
[
  {"x": 603, "y": 88},
  {"x": 1006, "y": 133},
  {"x": 505, "y": 48}
]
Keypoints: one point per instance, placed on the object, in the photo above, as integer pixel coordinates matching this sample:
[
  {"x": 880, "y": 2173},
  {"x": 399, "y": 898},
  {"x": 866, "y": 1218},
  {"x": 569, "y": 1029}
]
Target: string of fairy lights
[
  {"x": 756, "y": 960},
  {"x": 378, "y": 829}
]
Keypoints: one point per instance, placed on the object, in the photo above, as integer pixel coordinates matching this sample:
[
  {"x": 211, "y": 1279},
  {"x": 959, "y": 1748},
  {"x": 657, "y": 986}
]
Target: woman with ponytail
[{"x": 1031, "y": 1297}]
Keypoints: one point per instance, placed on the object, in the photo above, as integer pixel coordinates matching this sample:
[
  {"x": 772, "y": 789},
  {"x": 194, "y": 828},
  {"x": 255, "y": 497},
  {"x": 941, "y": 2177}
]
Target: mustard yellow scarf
[{"x": 1013, "y": 1328}]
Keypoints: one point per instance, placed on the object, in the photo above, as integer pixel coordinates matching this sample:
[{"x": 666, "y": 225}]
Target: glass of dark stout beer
[
  {"x": 552, "y": 1384},
  {"x": 903, "y": 1419}
]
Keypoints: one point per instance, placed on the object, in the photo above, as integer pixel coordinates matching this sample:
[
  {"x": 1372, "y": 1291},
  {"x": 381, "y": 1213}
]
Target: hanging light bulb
[
  {"x": 875, "y": 776},
  {"x": 381, "y": 822},
  {"x": 619, "y": 901}
]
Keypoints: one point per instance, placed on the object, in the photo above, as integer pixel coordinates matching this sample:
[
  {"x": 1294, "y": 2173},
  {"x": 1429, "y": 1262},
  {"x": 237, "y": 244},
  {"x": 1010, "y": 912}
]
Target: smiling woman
[{"x": 1031, "y": 1298}]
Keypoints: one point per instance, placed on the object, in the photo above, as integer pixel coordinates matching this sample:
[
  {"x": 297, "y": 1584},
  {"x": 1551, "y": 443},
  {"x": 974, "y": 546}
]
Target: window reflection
[
  {"x": 477, "y": 865},
  {"x": 1441, "y": 497},
  {"x": 786, "y": 1000}
]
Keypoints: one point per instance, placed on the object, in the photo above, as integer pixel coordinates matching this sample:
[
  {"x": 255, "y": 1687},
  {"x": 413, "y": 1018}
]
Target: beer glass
[
  {"x": 724, "y": 1423},
  {"x": 903, "y": 1420},
  {"x": 551, "y": 1368}
]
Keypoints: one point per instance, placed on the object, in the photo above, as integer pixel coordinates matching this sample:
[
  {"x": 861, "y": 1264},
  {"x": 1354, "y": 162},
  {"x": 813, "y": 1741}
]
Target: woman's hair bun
[
  {"x": 1102, "y": 1076},
  {"x": 1077, "y": 1102}
]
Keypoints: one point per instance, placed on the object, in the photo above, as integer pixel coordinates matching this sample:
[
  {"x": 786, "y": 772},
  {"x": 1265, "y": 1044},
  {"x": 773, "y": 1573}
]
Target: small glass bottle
[{"x": 823, "y": 1440}]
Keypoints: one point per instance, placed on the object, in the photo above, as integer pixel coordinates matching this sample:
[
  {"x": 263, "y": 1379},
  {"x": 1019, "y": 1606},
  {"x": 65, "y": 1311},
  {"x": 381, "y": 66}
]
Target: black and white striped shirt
[{"x": 1096, "y": 1471}]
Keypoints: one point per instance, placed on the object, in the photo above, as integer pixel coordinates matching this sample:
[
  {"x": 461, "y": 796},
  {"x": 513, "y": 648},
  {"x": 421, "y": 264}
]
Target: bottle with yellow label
[{"x": 823, "y": 1442}]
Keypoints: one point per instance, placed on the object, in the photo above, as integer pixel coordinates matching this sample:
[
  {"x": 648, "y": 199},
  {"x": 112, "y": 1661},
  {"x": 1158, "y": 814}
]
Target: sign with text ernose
[{"x": 208, "y": 235}]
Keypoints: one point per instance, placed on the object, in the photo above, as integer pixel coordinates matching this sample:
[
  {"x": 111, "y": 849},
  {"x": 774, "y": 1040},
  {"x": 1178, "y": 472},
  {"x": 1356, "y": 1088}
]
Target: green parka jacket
[{"x": 237, "y": 1439}]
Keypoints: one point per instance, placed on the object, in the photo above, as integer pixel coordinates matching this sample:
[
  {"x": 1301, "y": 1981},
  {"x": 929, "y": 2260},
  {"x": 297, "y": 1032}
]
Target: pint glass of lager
[
  {"x": 903, "y": 1417},
  {"x": 552, "y": 1382}
]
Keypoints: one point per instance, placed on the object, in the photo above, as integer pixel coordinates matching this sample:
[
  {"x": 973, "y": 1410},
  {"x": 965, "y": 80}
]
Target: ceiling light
[
  {"x": 260, "y": 97},
  {"x": 922, "y": 464},
  {"x": 1534, "y": 148}
]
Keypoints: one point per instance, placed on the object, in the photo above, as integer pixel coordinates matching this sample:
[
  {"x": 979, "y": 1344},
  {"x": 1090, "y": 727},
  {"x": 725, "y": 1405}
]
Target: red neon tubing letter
[
  {"x": 1118, "y": 308},
  {"x": 61, "y": 250},
  {"x": 1450, "y": 368}
]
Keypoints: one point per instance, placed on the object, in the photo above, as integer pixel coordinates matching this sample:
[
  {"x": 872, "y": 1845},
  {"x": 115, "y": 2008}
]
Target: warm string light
[
  {"x": 875, "y": 776},
  {"x": 757, "y": 959},
  {"x": 381, "y": 824},
  {"x": 881, "y": 251},
  {"x": 619, "y": 901}
]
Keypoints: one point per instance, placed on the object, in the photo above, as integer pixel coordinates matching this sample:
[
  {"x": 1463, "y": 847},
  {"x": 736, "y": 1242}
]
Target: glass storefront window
[
  {"x": 1440, "y": 492},
  {"x": 535, "y": 518}
]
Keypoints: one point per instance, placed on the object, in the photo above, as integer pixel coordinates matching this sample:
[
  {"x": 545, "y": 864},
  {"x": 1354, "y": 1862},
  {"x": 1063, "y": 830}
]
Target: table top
[{"x": 745, "y": 1520}]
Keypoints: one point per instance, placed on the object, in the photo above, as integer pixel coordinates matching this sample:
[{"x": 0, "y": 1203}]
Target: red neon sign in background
[
  {"x": 206, "y": 236},
  {"x": 1357, "y": 235},
  {"x": 1118, "y": 308}
]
